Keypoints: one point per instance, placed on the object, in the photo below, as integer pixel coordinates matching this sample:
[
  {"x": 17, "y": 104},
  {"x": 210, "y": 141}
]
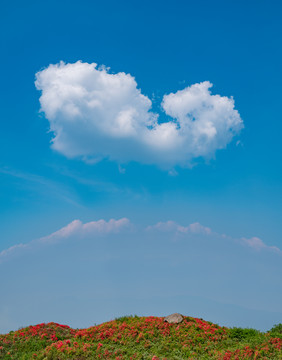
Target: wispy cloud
[
  {"x": 98, "y": 185},
  {"x": 42, "y": 185}
]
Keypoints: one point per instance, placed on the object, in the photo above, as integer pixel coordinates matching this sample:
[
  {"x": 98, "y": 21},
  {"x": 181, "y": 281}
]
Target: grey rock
[{"x": 174, "y": 318}]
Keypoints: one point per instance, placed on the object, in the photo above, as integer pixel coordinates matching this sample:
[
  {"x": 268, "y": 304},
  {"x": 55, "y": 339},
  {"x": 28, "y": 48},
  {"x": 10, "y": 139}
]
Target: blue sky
[{"x": 158, "y": 147}]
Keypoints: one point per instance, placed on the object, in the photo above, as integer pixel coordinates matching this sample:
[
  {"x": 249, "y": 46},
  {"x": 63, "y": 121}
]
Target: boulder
[{"x": 174, "y": 318}]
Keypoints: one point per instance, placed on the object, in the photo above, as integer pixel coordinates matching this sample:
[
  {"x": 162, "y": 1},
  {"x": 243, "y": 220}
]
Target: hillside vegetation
[{"x": 141, "y": 338}]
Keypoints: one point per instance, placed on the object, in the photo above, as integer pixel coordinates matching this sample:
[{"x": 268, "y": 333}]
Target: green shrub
[
  {"x": 276, "y": 331},
  {"x": 243, "y": 334},
  {"x": 126, "y": 318}
]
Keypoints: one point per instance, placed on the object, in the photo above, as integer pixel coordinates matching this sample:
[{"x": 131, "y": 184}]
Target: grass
[{"x": 133, "y": 337}]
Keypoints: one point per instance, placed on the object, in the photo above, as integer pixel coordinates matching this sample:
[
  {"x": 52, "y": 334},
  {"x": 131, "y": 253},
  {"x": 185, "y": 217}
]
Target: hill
[{"x": 141, "y": 338}]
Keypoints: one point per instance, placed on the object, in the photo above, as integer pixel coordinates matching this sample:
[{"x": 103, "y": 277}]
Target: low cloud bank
[
  {"x": 77, "y": 230},
  {"x": 257, "y": 244},
  {"x": 171, "y": 226},
  {"x": 74, "y": 229}
]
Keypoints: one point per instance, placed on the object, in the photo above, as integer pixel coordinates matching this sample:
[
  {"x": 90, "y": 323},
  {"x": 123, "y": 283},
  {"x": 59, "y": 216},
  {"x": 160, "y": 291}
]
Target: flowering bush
[{"x": 140, "y": 338}]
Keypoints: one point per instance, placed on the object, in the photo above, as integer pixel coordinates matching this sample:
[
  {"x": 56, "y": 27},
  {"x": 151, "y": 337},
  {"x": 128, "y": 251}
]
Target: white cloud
[
  {"x": 94, "y": 114},
  {"x": 196, "y": 228},
  {"x": 12, "y": 250},
  {"x": 206, "y": 122},
  {"x": 171, "y": 226},
  {"x": 257, "y": 244},
  {"x": 76, "y": 227}
]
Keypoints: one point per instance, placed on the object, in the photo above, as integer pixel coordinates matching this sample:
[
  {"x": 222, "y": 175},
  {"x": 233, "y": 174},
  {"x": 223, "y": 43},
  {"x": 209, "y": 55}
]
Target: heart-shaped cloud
[{"x": 94, "y": 114}]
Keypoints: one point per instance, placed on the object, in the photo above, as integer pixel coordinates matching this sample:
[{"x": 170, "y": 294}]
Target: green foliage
[
  {"x": 141, "y": 338},
  {"x": 276, "y": 331},
  {"x": 242, "y": 334},
  {"x": 126, "y": 318}
]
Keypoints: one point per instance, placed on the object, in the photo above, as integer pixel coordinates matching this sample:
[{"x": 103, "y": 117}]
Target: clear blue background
[{"x": 165, "y": 45}]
